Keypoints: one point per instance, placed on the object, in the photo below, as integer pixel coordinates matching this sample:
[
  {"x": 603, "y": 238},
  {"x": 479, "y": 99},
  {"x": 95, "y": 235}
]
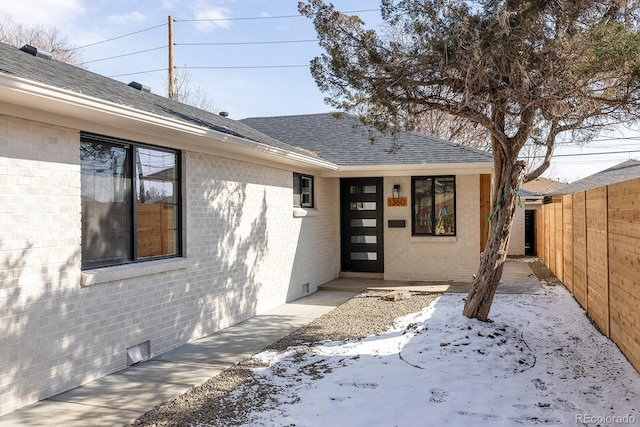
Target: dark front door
[
  {"x": 529, "y": 232},
  {"x": 362, "y": 249}
]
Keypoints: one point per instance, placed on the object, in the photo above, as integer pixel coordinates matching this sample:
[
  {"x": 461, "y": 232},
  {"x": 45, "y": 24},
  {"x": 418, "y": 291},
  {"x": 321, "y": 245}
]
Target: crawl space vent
[{"x": 138, "y": 353}]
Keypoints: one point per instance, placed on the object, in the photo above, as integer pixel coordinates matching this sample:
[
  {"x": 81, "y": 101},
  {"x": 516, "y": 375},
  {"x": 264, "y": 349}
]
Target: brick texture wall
[
  {"x": 245, "y": 253},
  {"x": 517, "y": 239},
  {"x": 434, "y": 258}
]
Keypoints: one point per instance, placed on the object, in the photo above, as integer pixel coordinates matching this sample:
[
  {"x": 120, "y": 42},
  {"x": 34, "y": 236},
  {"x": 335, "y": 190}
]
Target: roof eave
[
  {"x": 470, "y": 168},
  {"x": 37, "y": 101}
]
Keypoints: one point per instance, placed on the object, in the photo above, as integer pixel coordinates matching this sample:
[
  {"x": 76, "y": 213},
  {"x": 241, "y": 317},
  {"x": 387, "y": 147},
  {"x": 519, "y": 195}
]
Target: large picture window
[
  {"x": 434, "y": 205},
  {"x": 130, "y": 201}
]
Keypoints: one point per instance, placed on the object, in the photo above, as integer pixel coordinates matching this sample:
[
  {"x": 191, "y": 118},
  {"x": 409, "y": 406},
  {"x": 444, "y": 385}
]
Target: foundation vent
[{"x": 138, "y": 353}]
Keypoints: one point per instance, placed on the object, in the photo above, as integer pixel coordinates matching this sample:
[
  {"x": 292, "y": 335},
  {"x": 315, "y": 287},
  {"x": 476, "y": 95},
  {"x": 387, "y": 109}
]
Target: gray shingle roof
[
  {"x": 347, "y": 142},
  {"x": 523, "y": 192},
  {"x": 618, "y": 173},
  {"x": 75, "y": 79},
  {"x": 343, "y": 142}
]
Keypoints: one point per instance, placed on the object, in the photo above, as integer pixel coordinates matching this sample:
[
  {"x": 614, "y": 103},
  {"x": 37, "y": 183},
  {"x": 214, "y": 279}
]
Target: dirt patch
[{"x": 543, "y": 273}]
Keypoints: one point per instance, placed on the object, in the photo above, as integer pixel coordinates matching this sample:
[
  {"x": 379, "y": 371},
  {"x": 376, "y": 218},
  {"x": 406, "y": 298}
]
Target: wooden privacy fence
[{"x": 591, "y": 242}]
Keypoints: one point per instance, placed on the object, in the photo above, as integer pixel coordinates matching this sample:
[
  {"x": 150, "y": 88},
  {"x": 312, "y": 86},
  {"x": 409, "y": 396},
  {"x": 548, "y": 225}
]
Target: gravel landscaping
[{"x": 364, "y": 315}]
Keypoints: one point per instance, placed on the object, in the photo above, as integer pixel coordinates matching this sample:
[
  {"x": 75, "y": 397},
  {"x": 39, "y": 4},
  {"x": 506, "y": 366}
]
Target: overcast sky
[{"x": 258, "y": 78}]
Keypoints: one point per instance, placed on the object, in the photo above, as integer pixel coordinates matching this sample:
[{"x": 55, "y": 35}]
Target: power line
[
  {"x": 205, "y": 20},
  {"x": 597, "y": 154},
  {"x": 540, "y": 156},
  {"x": 246, "y": 43},
  {"x": 599, "y": 146},
  {"x": 210, "y": 43},
  {"x": 613, "y": 138},
  {"x": 139, "y": 72},
  {"x": 264, "y": 17},
  {"x": 237, "y": 19},
  {"x": 214, "y": 44},
  {"x": 244, "y": 67},
  {"x": 117, "y": 37},
  {"x": 587, "y": 162},
  {"x": 127, "y": 54}
]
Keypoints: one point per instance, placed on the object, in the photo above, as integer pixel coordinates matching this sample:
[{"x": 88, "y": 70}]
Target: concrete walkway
[
  {"x": 120, "y": 398},
  {"x": 517, "y": 278}
]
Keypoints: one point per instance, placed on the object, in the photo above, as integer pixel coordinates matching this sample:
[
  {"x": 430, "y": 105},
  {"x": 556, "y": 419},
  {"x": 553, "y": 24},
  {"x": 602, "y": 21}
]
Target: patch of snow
[{"x": 538, "y": 362}]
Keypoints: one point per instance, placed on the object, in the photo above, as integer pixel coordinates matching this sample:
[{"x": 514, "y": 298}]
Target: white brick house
[{"x": 128, "y": 220}]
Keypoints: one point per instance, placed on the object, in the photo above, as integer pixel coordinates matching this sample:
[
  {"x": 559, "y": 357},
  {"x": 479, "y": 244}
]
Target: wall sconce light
[{"x": 396, "y": 191}]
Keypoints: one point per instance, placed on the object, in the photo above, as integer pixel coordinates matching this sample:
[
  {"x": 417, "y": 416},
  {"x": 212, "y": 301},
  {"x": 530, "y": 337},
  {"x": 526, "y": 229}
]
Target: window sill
[
  {"x": 304, "y": 212},
  {"x": 129, "y": 271},
  {"x": 434, "y": 239}
]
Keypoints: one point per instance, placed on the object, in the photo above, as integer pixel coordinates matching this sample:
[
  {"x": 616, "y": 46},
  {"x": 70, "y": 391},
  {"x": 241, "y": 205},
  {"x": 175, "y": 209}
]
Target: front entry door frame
[
  {"x": 530, "y": 232},
  {"x": 361, "y": 218}
]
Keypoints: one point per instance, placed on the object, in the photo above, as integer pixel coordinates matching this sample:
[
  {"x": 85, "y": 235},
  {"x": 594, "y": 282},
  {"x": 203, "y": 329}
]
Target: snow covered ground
[{"x": 539, "y": 362}]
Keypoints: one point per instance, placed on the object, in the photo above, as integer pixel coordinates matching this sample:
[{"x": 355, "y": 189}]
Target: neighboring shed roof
[
  {"x": 622, "y": 172},
  {"x": 523, "y": 192},
  {"x": 543, "y": 185},
  {"x": 64, "y": 76},
  {"x": 347, "y": 142}
]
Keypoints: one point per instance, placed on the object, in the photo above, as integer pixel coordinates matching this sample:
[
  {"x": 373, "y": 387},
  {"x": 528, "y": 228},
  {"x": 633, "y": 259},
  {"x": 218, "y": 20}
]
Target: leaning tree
[{"x": 529, "y": 72}]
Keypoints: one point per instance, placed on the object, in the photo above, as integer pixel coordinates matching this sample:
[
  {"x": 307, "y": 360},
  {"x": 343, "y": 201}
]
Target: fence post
[{"x": 606, "y": 259}]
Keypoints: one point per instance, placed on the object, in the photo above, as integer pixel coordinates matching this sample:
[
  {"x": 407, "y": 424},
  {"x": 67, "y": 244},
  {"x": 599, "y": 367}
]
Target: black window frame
[
  {"x": 132, "y": 241},
  {"x": 432, "y": 218},
  {"x": 297, "y": 190}
]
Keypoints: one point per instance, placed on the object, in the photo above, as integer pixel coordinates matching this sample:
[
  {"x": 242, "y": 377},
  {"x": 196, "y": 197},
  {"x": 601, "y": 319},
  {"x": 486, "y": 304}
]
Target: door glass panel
[
  {"x": 364, "y": 256},
  {"x": 363, "y": 222},
  {"x": 362, "y": 206},
  {"x": 355, "y": 189},
  {"x": 364, "y": 239},
  {"x": 369, "y": 189}
]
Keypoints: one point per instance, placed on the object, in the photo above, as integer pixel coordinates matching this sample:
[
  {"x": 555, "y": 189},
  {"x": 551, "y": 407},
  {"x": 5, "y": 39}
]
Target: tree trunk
[{"x": 492, "y": 260}]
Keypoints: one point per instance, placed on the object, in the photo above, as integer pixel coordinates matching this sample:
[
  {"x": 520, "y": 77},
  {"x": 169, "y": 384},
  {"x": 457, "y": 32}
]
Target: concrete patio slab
[{"x": 517, "y": 277}]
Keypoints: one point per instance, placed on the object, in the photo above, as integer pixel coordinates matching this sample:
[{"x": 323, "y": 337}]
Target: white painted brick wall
[
  {"x": 245, "y": 251},
  {"x": 429, "y": 257},
  {"x": 517, "y": 239},
  {"x": 39, "y": 258}
]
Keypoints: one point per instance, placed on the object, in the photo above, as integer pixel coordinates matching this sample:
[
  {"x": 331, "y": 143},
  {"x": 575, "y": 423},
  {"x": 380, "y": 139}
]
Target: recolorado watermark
[{"x": 605, "y": 419}]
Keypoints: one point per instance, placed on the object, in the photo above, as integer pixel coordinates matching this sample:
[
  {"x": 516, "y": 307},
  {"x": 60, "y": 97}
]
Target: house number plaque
[{"x": 398, "y": 201}]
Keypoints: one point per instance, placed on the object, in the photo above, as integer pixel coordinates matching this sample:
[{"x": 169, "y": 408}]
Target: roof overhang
[
  {"x": 37, "y": 101},
  {"x": 412, "y": 169}
]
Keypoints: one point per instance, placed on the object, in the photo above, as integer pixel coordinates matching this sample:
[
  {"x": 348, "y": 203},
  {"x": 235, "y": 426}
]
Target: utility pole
[{"x": 171, "y": 69}]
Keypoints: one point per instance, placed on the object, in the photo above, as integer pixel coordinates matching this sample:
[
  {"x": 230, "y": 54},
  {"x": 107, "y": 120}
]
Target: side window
[
  {"x": 130, "y": 202},
  {"x": 302, "y": 190},
  {"x": 434, "y": 205}
]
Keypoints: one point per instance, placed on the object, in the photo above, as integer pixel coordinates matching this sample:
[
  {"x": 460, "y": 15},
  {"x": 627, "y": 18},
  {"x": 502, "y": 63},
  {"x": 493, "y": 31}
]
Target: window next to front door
[
  {"x": 302, "y": 190},
  {"x": 130, "y": 201},
  {"x": 434, "y": 205}
]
